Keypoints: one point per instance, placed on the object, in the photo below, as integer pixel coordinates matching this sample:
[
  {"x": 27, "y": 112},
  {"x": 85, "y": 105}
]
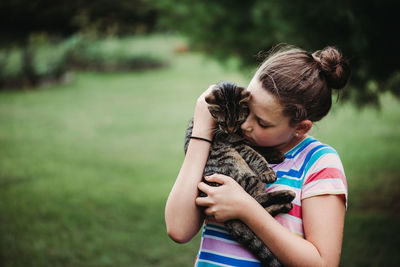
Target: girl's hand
[
  {"x": 225, "y": 202},
  {"x": 203, "y": 121}
]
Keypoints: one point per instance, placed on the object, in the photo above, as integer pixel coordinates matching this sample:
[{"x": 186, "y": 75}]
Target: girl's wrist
[
  {"x": 203, "y": 122},
  {"x": 203, "y": 133},
  {"x": 203, "y": 125},
  {"x": 248, "y": 208}
]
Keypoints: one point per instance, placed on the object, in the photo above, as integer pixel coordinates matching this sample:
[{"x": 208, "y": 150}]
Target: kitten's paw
[
  {"x": 268, "y": 176},
  {"x": 279, "y": 208},
  {"x": 276, "y": 197},
  {"x": 286, "y": 196}
]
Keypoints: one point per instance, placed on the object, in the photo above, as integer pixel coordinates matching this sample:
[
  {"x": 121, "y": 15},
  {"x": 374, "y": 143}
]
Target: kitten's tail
[
  {"x": 244, "y": 235},
  {"x": 262, "y": 252}
]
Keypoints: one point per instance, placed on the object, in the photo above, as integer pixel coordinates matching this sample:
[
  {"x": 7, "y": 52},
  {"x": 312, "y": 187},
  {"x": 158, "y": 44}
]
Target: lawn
[{"x": 86, "y": 167}]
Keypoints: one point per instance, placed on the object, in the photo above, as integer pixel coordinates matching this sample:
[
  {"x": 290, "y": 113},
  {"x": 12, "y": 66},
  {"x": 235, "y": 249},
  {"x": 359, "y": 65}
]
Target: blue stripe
[
  {"x": 318, "y": 155},
  {"x": 287, "y": 181},
  {"x": 226, "y": 260},
  {"x": 293, "y": 153},
  {"x": 217, "y": 234},
  {"x": 298, "y": 173},
  {"x": 294, "y": 178}
]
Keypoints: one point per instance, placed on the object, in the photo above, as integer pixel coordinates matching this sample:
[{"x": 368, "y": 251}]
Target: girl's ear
[{"x": 303, "y": 127}]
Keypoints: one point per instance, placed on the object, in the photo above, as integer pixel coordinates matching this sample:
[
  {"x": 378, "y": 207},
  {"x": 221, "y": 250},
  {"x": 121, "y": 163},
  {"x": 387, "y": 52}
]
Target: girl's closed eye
[{"x": 263, "y": 124}]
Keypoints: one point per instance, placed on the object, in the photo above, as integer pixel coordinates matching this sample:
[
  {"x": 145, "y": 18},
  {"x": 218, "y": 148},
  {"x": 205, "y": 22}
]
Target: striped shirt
[{"x": 310, "y": 169}]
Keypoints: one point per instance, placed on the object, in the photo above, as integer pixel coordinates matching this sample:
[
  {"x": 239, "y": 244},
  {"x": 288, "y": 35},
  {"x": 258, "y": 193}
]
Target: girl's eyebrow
[{"x": 265, "y": 122}]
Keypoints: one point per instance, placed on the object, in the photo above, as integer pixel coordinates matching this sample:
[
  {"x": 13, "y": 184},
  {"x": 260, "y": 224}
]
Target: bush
[
  {"x": 107, "y": 55},
  {"x": 31, "y": 66},
  {"x": 44, "y": 61}
]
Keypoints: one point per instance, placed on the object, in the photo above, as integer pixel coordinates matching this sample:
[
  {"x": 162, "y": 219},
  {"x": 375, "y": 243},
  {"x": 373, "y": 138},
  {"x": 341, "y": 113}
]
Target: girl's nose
[{"x": 246, "y": 125}]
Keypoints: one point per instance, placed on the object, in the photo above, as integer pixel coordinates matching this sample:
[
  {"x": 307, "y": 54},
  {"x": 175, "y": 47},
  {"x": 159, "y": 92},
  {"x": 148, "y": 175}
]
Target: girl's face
[{"x": 266, "y": 125}]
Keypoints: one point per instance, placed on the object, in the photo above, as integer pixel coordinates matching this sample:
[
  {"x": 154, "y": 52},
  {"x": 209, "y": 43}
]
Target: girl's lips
[{"x": 248, "y": 139}]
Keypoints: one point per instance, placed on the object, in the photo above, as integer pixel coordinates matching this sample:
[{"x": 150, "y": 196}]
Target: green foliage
[
  {"x": 109, "y": 54},
  {"x": 10, "y": 62},
  {"x": 32, "y": 65},
  {"x": 363, "y": 30}
]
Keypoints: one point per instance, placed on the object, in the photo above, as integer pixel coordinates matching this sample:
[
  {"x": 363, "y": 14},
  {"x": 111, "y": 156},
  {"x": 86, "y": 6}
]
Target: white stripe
[
  {"x": 210, "y": 227},
  {"x": 291, "y": 218},
  {"x": 221, "y": 239},
  {"x": 334, "y": 160},
  {"x": 214, "y": 262}
]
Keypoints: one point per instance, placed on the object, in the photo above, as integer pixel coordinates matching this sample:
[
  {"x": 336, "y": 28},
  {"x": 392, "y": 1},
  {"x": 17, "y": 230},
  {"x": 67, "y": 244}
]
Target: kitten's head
[{"x": 228, "y": 104}]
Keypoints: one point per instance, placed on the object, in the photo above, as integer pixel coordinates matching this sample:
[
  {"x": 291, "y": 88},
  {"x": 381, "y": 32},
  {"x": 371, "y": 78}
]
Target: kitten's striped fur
[{"x": 231, "y": 155}]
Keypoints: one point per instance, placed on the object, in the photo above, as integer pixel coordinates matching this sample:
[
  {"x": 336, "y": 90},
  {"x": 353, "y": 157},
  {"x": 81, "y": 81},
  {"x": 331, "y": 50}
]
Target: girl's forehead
[{"x": 262, "y": 102}]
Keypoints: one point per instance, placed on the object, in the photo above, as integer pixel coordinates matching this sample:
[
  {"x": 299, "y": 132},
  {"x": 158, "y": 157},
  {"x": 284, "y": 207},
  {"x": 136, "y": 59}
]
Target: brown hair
[{"x": 303, "y": 82}]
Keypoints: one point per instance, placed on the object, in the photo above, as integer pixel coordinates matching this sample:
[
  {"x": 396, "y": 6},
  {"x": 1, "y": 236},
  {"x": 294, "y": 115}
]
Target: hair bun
[{"x": 334, "y": 66}]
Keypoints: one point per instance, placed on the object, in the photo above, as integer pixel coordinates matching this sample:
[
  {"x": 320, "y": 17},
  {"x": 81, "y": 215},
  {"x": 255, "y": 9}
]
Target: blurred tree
[
  {"x": 363, "y": 30},
  {"x": 21, "y": 21},
  {"x": 19, "y": 18}
]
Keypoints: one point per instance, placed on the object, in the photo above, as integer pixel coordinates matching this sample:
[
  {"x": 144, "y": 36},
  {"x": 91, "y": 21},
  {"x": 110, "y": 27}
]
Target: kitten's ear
[
  {"x": 244, "y": 96},
  {"x": 211, "y": 99}
]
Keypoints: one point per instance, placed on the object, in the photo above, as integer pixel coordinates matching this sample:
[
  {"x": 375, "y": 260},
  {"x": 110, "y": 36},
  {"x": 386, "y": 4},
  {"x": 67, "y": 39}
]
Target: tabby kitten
[{"x": 232, "y": 155}]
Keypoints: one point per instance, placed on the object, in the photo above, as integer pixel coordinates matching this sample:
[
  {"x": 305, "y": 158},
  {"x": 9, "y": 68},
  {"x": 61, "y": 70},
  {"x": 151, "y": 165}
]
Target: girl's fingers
[
  {"x": 203, "y": 187},
  {"x": 202, "y": 201},
  {"x": 218, "y": 178}
]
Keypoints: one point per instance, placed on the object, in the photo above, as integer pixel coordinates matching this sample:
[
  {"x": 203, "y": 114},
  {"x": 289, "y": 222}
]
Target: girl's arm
[
  {"x": 323, "y": 220},
  {"x": 183, "y": 217}
]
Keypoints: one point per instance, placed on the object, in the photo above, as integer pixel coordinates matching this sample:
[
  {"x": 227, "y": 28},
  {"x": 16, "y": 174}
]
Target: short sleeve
[{"x": 325, "y": 177}]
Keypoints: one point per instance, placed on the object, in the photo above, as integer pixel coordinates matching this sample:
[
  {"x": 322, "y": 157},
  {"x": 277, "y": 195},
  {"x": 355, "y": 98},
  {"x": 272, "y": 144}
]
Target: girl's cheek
[
  {"x": 264, "y": 139},
  {"x": 270, "y": 138}
]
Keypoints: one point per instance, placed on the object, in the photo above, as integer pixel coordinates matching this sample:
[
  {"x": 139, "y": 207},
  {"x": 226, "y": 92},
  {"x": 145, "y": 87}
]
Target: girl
[{"x": 290, "y": 91}]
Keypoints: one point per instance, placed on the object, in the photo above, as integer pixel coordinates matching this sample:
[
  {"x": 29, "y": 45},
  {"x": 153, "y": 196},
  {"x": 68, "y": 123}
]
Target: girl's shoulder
[
  {"x": 309, "y": 145},
  {"x": 305, "y": 160}
]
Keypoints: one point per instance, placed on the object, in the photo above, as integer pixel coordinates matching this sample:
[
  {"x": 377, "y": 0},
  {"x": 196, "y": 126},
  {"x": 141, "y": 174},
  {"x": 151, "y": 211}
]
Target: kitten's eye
[{"x": 242, "y": 119}]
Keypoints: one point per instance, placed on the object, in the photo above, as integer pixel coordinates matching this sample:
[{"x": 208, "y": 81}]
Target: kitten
[{"x": 232, "y": 155}]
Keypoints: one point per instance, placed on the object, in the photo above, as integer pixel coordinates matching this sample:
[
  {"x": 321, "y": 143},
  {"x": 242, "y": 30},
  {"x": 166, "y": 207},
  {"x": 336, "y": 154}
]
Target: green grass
[{"x": 86, "y": 167}]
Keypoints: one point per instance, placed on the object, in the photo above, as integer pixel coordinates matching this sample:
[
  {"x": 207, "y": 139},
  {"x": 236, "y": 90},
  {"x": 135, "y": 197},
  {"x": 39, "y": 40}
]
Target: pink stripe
[
  {"x": 226, "y": 248},
  {"x": 296, "y": 227},
  {"x": 325, "y": 173},
  {"x": 213, "y": 221},
  {"x": 296, "y": 211}
]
